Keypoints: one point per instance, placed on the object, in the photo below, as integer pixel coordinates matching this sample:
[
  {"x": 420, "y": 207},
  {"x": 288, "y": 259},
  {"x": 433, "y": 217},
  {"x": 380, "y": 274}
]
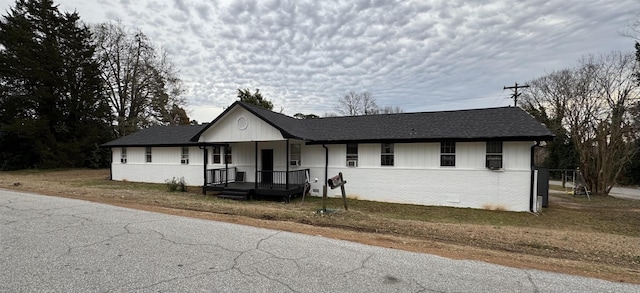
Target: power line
[{"x": 515, "y": 92}]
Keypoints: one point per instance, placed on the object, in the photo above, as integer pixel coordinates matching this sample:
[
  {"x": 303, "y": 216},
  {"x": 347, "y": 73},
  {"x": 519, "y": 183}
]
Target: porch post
[
  {"x": 226, "y": 165},
  {"x": 204, "y": 167},
  {"x": 256, "y": 155},
  {"x": 287, "y": 167}
]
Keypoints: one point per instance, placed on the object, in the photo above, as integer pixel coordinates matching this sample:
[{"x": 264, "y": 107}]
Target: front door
[{"x": 267, "y": 166}]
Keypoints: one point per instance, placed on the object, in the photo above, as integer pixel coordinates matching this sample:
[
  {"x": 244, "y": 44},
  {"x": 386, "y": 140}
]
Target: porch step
[{"x": 235, "y": 195}]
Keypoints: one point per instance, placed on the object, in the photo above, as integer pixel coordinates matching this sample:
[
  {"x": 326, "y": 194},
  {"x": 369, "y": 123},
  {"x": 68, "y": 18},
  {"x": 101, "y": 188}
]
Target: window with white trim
[
  {"x": 494, "y": 154},
  {"x": 352, "y": 155},
  {"x": 148, "y": 154},
  {"x": 386, "y": 154},
  {"x": 216, "y": 154},
  {"x": 123, "y": 155},
  {"x": 295, "y": 154},
  {"x": 448, "y": 154},
  {"x": 184, "y": 158}
]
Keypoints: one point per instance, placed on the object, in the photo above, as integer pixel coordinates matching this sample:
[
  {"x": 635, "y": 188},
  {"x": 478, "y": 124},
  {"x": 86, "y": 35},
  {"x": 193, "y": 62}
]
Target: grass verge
[{"x": 596, "y": 238}]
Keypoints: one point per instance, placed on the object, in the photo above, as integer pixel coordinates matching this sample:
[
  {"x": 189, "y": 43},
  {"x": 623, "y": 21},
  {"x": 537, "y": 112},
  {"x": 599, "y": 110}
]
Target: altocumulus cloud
[{"x": 419, "y": 55}]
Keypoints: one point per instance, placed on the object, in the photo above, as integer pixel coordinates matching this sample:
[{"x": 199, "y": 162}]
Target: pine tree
[
  {"x": 254, "y": 99},
  {"x": 53, "y": 114}
]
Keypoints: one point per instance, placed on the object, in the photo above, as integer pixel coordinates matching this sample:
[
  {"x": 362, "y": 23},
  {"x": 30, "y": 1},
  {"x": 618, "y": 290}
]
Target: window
[
  {"x": 148, "y": 153},
  {"x": 494, "y": 154},
  {"x": 295, "y": 154},
  {"x": 386, "y": 158},
  {"x": 216, "y": 155},
  {"x": 227, "y": 157},
  {"x": 184, "y": 159},
  {"x": 447, "y": 153},
  {"x": 123, "y": 156},
  {"x": 352, "y": 155}
]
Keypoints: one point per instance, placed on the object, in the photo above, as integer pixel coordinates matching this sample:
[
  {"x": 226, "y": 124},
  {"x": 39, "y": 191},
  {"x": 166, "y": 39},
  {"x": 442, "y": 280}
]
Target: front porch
[{"x": 230, "y": 183}]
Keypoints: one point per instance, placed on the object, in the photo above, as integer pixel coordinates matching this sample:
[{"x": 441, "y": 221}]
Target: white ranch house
[{"x": 480, "y": 158}]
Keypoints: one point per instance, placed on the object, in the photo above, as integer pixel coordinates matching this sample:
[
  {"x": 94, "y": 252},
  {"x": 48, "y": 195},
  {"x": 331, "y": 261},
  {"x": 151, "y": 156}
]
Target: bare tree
[
  {"x": 369, "y": 106},
  {"x": 349, "y": 104},
  {"x": 141, "y": 84},
  {"x": 355, "y": 104},
  {"x": 390, "y": 110},
  {"x": 329, "y": 114},
  {"x": 592, "y": 102}
]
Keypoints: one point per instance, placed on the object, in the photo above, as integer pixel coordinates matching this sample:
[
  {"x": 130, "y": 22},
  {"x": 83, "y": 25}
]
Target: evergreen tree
[
  {"x": 254, "y": 99},
  {"x": 305, "y": 116},
  {"x": 52, "y": 114}
]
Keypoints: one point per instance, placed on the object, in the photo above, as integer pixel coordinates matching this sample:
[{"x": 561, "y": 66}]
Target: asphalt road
[
  {"x": 62, "y": 245},
  {"x": 619, "y": 192}
]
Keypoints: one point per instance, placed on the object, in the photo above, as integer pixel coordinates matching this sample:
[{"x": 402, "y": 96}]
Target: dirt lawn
[{"x": 598, "y": 238}]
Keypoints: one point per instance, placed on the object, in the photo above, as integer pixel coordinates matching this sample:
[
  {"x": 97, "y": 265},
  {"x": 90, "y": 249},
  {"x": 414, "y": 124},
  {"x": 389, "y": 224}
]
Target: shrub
[{"x": 176, "y": 184}]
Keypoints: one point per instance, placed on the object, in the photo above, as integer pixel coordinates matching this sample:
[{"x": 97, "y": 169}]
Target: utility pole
[{"x": 515, "y": 92}]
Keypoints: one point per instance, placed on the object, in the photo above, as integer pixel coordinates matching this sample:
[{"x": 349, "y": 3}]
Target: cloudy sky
[{"x": 419, "y": 55}]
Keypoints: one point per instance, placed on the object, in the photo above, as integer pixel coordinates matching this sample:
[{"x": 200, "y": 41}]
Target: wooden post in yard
[
  {"x": 344, "y": 193},
  {"x": 324, "y": 198}
]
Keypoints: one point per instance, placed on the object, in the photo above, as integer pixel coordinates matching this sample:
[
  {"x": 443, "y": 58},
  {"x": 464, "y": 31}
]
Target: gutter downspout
[
  {"x": 531, "y": 187},
  {"x": 111, "y": 165},
  {"x": 255, "y": 185},
  {"x": 326, "y": 177},
  {"x": 286, "y": 173},
  {"x": 326, "y": 164}
]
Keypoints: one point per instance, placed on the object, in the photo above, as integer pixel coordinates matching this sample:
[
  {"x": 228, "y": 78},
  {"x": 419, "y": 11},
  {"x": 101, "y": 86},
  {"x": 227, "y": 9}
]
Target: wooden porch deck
[
  {"x": 248, "y": 190},
  {"x": 229, "y": 183}
]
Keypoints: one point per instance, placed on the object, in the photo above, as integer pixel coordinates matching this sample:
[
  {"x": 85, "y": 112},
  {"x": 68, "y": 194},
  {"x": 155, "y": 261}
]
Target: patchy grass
[
  {"x": 111, "y": 185},
  {"x": 601, "y": 214},
  {"x": 598, "y": 237}
]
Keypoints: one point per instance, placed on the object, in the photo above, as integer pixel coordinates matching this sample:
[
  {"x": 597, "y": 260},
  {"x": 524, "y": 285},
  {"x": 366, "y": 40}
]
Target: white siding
[
  {"x": 469, "y": 155},
  {"x": 417, "y": 155},
  {"x": 313, "y": 155},
  {"x": 368, "y": 155},
  {"x": 226, "y": 129},
  {"x": 508, "y": 190},
  {"x": 116, "y": 155},
  {"x": 516, "y": 155},
  {"x": 158, "y": 173},
  {"x": 165, "y": 165},
  {"x": 417, "y": 177},
  {"x": 135, "y": 155}
]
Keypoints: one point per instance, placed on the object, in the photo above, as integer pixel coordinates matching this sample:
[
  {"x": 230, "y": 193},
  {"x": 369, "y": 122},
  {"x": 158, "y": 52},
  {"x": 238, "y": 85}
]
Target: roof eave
[
  {"x": 284, "y": 133},
  {"x": 150, "y": 145},
  {"x": 196, "y": 137},
  {"x": 438, "y": 139}
]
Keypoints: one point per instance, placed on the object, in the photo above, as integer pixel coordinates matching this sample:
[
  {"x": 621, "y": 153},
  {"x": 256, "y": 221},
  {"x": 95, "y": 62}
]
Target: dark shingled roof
[
  {"x": 172, "y": 135},
  {"x": 288, "y": 126},
  {"x": 504, "y": 123}
]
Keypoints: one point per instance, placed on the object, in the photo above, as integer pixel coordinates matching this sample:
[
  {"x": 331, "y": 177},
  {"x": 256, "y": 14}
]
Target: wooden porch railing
[
  {"x": 278, "y": 179},
  {"x": 266, "y": 179},
  {"x": 221, "y": 176}
]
